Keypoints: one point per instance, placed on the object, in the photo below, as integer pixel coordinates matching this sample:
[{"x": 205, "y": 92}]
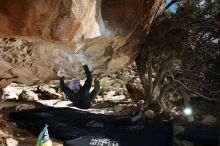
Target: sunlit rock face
[{"x": 39, "y": 37}]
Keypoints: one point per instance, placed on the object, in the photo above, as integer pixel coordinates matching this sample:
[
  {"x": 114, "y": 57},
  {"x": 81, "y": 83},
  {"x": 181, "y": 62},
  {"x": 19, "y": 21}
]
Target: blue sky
[{"x": 173, "y": 7}]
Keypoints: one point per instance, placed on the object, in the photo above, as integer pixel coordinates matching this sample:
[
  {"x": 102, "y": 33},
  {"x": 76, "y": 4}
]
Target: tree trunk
[
  {"x": 1, "y": 93},
  {"x": 141, "y": 62}
]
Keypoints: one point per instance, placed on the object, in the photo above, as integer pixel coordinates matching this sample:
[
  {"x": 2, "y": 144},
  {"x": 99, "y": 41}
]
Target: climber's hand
[
  {"x": 83, "y": 61},
  {"x": 60, "y": 74}
]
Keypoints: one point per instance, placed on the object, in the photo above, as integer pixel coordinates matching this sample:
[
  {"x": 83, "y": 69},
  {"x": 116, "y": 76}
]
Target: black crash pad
[
  {"x": 78, "y": 128},
  {"x": 201, "y": 135}
]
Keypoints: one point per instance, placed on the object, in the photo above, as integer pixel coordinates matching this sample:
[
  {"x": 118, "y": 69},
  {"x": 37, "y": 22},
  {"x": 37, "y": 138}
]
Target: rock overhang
[{"x": 37, "y": 38}]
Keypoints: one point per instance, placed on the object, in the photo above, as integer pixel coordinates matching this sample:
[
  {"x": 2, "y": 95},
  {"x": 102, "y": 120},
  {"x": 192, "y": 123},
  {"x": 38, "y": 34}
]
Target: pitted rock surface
[{"x": 38, "y": 38}]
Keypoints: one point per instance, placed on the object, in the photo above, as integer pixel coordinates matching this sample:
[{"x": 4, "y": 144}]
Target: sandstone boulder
[
  {"x": 135, "y": 89},
  {"x": 28, "y": 96},
  {"x": 37, "y": 38},
  {"x": 47, "y": 92},
  {"x": 209, "y": 120}
]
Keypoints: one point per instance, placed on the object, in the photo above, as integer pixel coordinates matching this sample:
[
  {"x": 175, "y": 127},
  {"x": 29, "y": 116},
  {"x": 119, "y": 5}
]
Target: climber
[{"x": 79, "y": 94}]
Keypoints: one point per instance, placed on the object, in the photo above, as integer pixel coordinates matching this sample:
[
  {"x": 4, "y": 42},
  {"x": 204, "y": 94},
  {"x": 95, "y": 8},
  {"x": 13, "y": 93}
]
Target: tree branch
[
  {"x": 149, "y": 74},
  {"x": 195, "y": 92},
  {"x": 163, "y": 69}
]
